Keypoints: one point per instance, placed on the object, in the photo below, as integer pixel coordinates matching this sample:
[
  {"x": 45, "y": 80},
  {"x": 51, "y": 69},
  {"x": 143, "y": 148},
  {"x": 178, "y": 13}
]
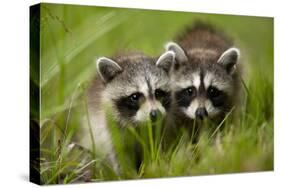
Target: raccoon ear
[
  {"x": 166, "y": 60},
  {"x": 229, "y": 59},
  {"x": 179, "y": 52},
  {"x": 107, "y": 68}
]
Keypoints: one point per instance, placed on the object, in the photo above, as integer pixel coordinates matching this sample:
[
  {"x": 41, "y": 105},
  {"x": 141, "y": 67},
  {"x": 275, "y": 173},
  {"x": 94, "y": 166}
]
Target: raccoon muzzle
[{"x": 201, "y": 113}]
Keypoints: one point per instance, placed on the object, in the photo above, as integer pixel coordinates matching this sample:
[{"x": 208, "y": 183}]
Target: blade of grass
[
  {"x": 221, "y": 123},
  {"x": 85, "y": 100},
  {"x": 151, "y": 140}
]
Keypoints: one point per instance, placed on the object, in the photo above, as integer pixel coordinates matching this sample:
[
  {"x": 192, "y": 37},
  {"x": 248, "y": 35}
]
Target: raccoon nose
[
  {"x": 153, "y": 115},
  {"x": 201, "y": 113}
]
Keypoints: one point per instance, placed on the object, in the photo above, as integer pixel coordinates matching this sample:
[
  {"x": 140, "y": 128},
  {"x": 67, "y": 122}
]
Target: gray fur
[
  {"x": 204, "y": 60},
  {"x": 229, "y": 59},
  {"x": 107, "y": 68},
  {"x": 179, "y": 52},
  {"x": 166, "y": 60},
  {"x": 119, "y": 77}
]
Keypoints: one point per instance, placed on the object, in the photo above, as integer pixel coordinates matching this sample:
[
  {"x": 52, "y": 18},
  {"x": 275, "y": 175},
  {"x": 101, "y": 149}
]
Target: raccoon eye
[
  {"x": 213, "y": 92},
  {"x": 135, "y": 96},
  {"x": 190, "y": 91},
  {"x": 160, "y": 93}
]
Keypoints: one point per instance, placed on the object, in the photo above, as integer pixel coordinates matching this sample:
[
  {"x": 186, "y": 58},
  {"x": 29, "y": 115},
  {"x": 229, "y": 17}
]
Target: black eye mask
[
  {"x": 164, "y": 97},
  {"x": 129, "y": 105},
  {"x": 216, "y": 96},
  {"x": 185, "y": 96}
]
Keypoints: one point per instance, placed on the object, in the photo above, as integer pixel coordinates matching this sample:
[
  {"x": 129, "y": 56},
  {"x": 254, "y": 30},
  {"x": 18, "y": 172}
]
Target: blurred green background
[{"x": 73, "y": 37}]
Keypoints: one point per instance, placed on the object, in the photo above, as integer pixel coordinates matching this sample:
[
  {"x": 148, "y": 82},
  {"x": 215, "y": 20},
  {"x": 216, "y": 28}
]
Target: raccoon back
[{"x": 202, "y": 36}]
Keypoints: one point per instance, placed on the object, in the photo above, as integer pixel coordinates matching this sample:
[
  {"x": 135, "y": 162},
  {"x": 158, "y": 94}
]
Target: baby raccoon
[
  {"x": 136, "y": 89},
  {"x": 204, "y": 76}
]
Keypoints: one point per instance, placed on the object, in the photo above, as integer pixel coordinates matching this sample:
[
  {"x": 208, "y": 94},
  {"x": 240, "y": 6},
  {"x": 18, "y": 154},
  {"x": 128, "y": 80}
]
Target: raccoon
[
  {"x": 135, "y": 87},
  {"x": 205, "y": 75}
]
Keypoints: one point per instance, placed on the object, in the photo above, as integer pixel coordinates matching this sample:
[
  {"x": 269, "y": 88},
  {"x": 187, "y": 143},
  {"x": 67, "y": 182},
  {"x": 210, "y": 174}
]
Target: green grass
[{"x": 72, "y": 37}]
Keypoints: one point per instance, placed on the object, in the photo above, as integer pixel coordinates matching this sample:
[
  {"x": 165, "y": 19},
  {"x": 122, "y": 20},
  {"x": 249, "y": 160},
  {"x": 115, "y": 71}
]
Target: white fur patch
[
  {"x": 191, "y": 109},
  {"x": 212, "y": 111},
  {"x": 208, "y": 80},
  {"x": 211, "y": 80},
  {"x": 143, "y": 113},
  {"x": 143, "y": 88},
  {"x": 181, "y": 84},
  {"x": 102, "y": 139},
  {"x": 196, "y": 80}
]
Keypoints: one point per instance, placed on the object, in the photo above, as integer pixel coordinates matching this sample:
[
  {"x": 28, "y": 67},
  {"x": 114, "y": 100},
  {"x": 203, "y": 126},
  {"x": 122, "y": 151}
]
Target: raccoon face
[
  {"x": 203, "y": 87},
  {"x": 137, "y": 86}
]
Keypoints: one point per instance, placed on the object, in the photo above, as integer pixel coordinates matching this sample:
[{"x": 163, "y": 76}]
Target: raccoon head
[
  {"x": 137, "y": 86},
  {"x": 203, "y": 81}
]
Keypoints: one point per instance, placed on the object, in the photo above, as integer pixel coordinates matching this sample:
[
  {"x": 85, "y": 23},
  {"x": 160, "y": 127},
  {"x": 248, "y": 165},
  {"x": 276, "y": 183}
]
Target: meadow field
[{"x": 73, "y": 37}]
